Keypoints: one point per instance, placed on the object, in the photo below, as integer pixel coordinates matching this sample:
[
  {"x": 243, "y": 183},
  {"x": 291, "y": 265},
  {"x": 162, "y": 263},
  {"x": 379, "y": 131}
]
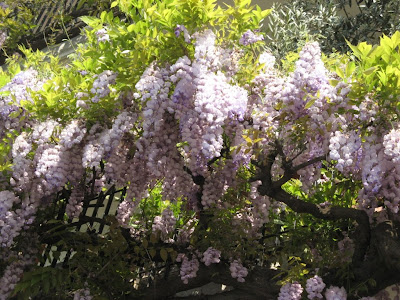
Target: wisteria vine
[{"x": 193, "y": 128}]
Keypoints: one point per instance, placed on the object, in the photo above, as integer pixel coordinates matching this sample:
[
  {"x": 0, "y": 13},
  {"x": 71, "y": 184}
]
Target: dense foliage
[
  {"x": 38, "y": 24},
  {"x": 221, "y": 160},
  {"x": 330, "y": 23}
]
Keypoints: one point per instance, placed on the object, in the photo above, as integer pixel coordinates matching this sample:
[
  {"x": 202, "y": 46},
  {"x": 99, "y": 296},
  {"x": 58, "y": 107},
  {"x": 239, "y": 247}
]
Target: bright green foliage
[
  {"x": 376, "y": 71},
  {"x": 331, "y": 23},
  {"x": 148, "y": 37},
  {"x": 310, "y": 243},
  {"x": 16, "y": 19},
  {"x": 20, "y": 18}
]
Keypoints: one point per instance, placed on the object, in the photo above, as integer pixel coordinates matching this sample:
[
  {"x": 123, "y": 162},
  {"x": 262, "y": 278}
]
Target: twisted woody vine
[{"x": 283, "y": 174}]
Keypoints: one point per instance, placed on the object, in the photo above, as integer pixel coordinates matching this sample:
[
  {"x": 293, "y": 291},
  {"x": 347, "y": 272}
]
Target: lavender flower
[
  {"x": 249, "y": 37},
  {"x": 3, "y": 36},
  {"x": 336, "y": 293},
  {"x": 83, "y": 294},
  {"x": 189, "y": 268},
  {"x": 165, "y": 224},
  {"x": 83, "y": 72},
  {"x": 125, "y": 211},
  {"x": 290, "y": 291},
  {"x": 101, "y": 84},
  {"x": 13, "y": 272},
  {"x": 211, "y": 256},
  {"x": 102, "y": 35},
  {"x": 314, "y": 287},
  {"x": 181, "y": 28},
  {"x": 238, "y": 271},
  {"x": 75, "y": 203}
]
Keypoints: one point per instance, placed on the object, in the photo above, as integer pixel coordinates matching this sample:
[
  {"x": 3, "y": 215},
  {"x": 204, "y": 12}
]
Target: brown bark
[
  {"x": 376, "y": 256},
  {"x": 274, "y": 190},
  {"x": 377, "y": 250}
]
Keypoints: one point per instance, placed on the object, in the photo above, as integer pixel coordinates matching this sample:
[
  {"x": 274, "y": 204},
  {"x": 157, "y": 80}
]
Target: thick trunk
[{"x": 382, "y": 262}]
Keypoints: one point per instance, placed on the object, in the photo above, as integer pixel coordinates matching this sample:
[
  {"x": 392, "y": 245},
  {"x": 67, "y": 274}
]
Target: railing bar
[
  {"x": 99, "y": 201},
  {"x": 107, "y": 210}
]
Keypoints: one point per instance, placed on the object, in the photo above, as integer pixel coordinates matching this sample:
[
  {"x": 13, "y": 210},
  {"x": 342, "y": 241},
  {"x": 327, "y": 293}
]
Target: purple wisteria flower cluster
[
  {"x": 238, "y": 271},
  {"x": 164, "y": 224},
  {"x": 102, "y": 35},
  {"x": 343, "y": 148},
  {"x": 189, "y": 268},
  {"x": 314, "y": 288},
  {"x": 249, "y": 37},
  {"x": 83, "y": 294},
  {"x": 181, "y": 28},
  {"x": 101, "y": 85},
  {"x": 335, "y": 293},
  {"x": 11, "y": 95},
  {"x": 290, "y": 291},
  {"x": 211, "y": 256},
  {"x": 189, "y": 128}
]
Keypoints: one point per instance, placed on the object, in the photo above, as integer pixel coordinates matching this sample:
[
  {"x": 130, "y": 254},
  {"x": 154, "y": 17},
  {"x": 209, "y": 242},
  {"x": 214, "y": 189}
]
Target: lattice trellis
[
  {"x": 45, "y": 17},
  {"x": 92, "y": 219}
]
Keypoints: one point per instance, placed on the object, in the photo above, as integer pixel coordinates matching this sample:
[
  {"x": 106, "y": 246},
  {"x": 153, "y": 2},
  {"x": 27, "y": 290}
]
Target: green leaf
[
  {"x": 91, "y": 21},
  {"x": 382, "y": 77},
  {"x": 14, "y": 114},
  {"x": 334, "y": 82},
  {"x": 51, "y": 100},
  {"x": 110, "y": 16},
  {"x": 60, "y": 278},
  {"x": 4, "y": 79},
  {"x": 46, "y": 285},
  {"x": 370, "y": 70},
  {"x": 36, "y": 278},
  {"x": 355, "y": 49},
  {"x": 20, "y": 287},
  {"x": 309, "y": 103},
  {"x": 248, "y": 139},
  {"x": 374, "y": 50},
  {"x": 339, "y": 72},
  {"x": 164, "y": 254},
  {"x": 387, "y": 42},
  {"x": 396, "y": 39},
  {"x": 103, "y": 16},
  {"x": 173, "y": 255},
  {"x": 351, "y": 66},
  {"x": 153, "y": 238},
  {"x": 152, "y": 252},
  {"x": 80, "y": 4}
]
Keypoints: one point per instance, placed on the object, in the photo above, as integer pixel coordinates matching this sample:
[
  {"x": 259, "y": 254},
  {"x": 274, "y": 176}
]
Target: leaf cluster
[
  {"x": 147, "y": 35},
  {"x": 375, "y": 73},
  {"x": 290, "y": 25},
  {"x": 302, "y": 243},
  {"x": 330, "y": 23}
]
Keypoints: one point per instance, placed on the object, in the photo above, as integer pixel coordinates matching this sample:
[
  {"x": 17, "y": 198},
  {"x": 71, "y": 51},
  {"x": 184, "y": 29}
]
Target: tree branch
[
  {"x": 332, "y": 213},
  {"x": 310, "y": 162},
  {"x": 274, "y": 190}
]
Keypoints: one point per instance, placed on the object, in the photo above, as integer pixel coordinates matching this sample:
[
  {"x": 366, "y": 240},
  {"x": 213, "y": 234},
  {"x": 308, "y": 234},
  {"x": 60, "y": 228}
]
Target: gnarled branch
[{"x": 274, "y": 190}]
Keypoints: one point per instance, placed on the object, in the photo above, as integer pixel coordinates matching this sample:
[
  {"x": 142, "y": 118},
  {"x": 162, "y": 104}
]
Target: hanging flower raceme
[{"x": 249, "y": 37}]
